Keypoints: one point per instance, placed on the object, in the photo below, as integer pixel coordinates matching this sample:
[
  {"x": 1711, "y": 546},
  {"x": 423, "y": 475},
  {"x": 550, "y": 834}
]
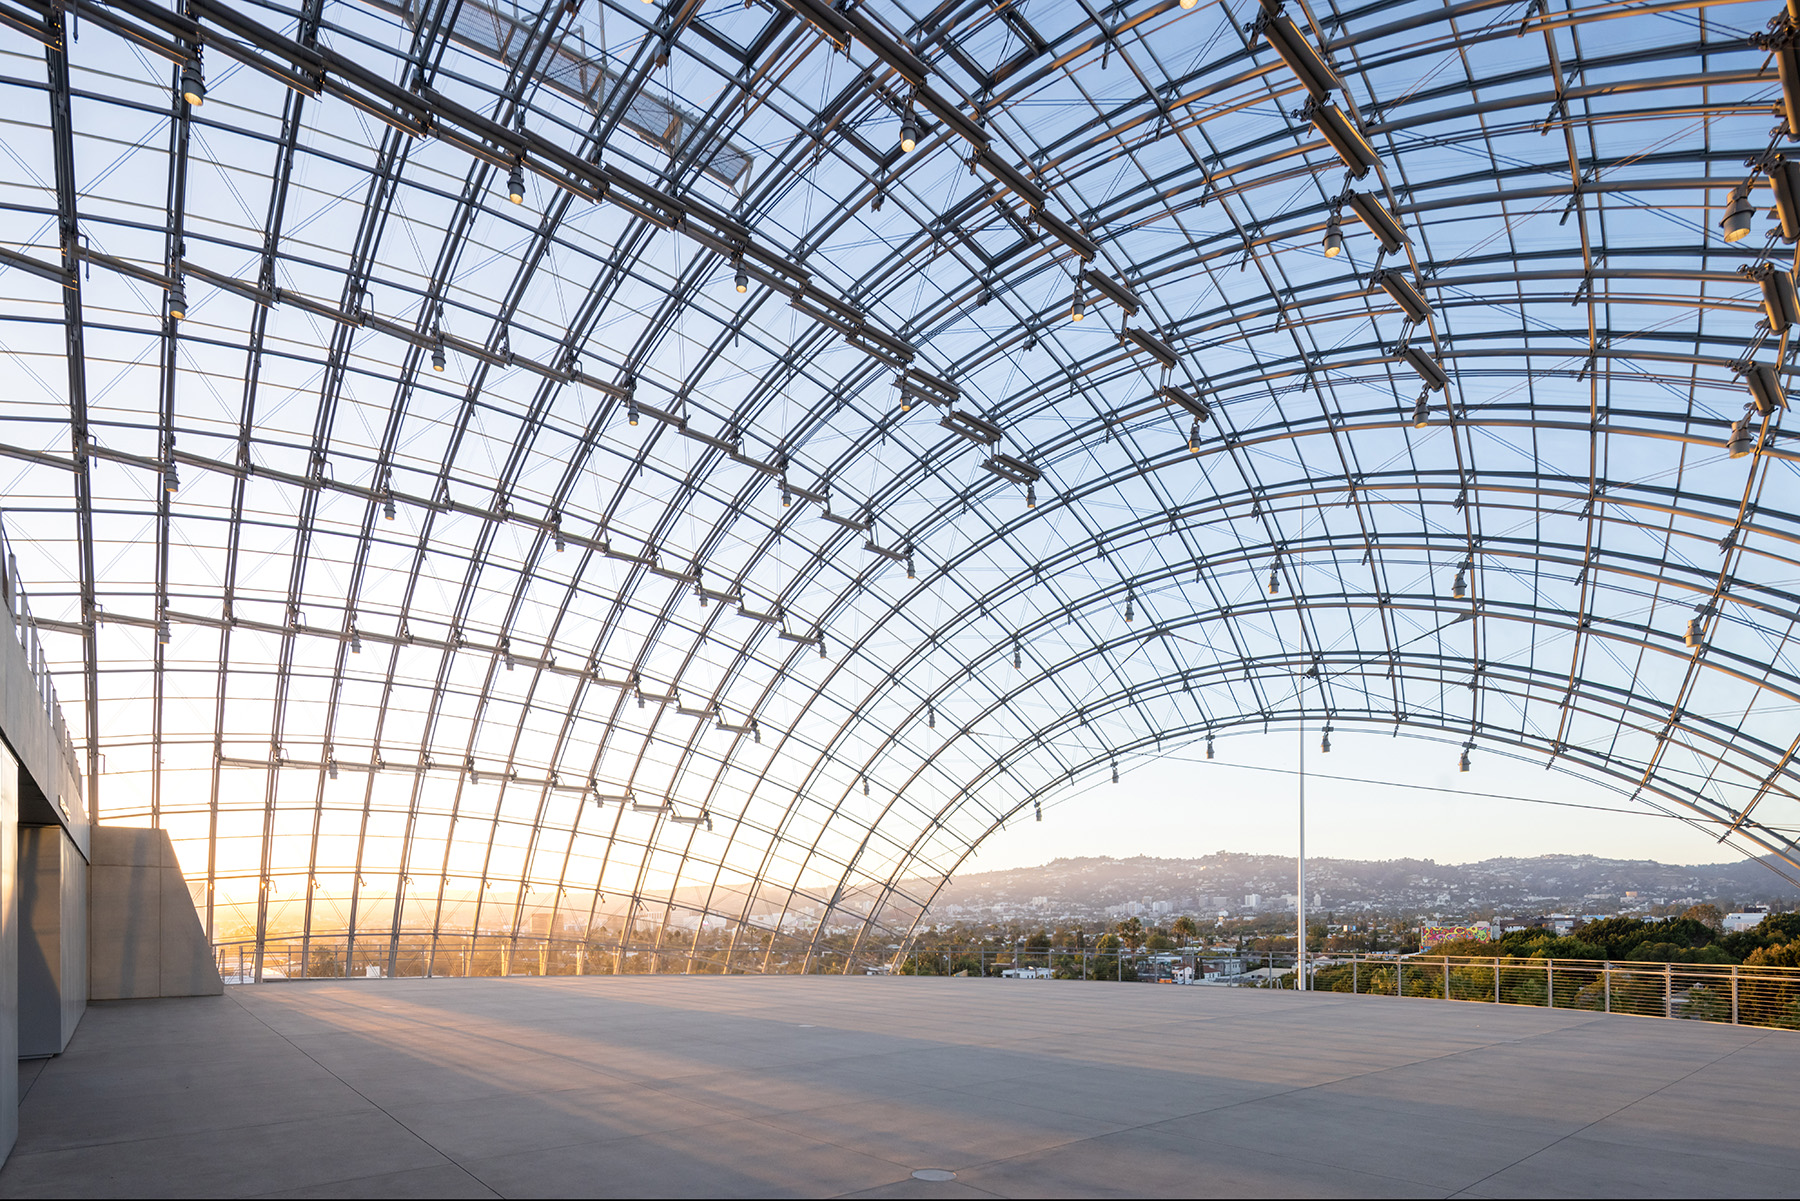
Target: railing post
[
  {"x": 1668, "y": 990},
  {"x": 1607, "y": 970},
  {"x": 1446, "y": 977},
  {"x": 1550, "y": 983},
  {"x": 1399, "y": 977},
  {"x": 1734, "y": 994},
  {"x": 1355, "y": 962},
  {"x": 1496, "y": 979}
]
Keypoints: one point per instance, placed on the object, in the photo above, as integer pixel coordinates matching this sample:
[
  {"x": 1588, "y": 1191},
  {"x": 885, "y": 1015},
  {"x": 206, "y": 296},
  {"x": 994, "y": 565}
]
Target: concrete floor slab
[{"x": 818, "y": 1086}]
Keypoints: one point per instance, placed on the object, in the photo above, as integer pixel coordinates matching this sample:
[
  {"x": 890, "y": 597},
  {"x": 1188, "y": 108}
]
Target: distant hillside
[{"x": 1570, "y": 883}]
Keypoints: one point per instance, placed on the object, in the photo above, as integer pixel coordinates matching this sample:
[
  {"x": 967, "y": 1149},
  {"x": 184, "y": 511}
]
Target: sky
[{"x": 1372, "y": 797}]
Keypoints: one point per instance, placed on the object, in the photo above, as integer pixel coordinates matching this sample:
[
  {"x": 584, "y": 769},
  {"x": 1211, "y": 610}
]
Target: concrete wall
[
  {"x": 144, "y": 936},
  {"x": 9, "y": 951},
  {"x": 53, "y": 988}
]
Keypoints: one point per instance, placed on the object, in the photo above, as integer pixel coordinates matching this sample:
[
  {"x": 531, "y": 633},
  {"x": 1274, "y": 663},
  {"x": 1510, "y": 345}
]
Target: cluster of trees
[{"x": 1696, "y": 936}]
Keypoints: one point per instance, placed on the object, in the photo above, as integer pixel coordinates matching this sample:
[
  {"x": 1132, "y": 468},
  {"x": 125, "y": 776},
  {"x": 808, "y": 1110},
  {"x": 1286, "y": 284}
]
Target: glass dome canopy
[{"x": 695, "y": 557}]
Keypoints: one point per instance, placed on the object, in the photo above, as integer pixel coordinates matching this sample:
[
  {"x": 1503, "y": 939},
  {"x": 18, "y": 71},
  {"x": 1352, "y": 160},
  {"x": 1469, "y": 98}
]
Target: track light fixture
[
  {"x": 1017, "y": 662},
  {"x": 506, "y": 650},
  {"x": 787, "y": 498},
  {"x": 1078, "y": 306},
  {"x": 556, "y": 537},
  {"x": 865, "y": 784},
  {"x": 1463, "y": 763},
  {"x": 331, "y": 769},
  {"x": 1741, "y": 442},
  {"x": 193, "y": 80},
  {"x": 1194, "y": 437},
  {"x": 930, "y": 717},
  {"x": 1031, "y": 496},
  {"x": 515, "y": 185},
  {"x": 1115, "y": 771},
  {"x": 1325, "y": 742},
  {"x": 1130, "y": 613},
  {"x": 387, "y": 507},
  {"x": 1738, "y": 214},
  {"x": 631, "y": 413},
  {"x": 910, "y": 574},
  {"x": 1334, "y": 239},
  {"x": 743, "y": 279},
  {"x": 1784, "y": 181},
  {"x": 171, "y": 481},
  {"x": 1274, "y": 579},
  {"x": 1037, "y": 810},
  {"x": 355, "y": 641},
  {"x": 1459, "y": 588},
  {"x": 162, "y": 631},
  {"x": 1209, "y": 748},
  {"x": 1766, "y": 393},
  {"x": 177, "y": 300},
  {"x": 1422, "y": 410},
  {"x": 909, "y": 132}
]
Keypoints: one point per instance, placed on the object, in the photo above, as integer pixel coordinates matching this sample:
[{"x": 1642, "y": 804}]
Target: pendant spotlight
[
  {"x": 1016, "y": 660},
  {"x": 1422, "y": 410},
  {"x": 1460, "y": 587},
  {"x": 193, "y": 80},
  {"x": 743, "y": 278},
  {"x": 1695, "y": 638},
  {"x": 1115, "y": 772},
  {"x": 865, "y": 784},
  {"x": 331, "y": 769},
  {"x": 355, "y": 641},
  {"x": 1130, "y": 613},
  {"x": 1274, "y": 579},
  {"x": 1325, "y": 742},
  {"x": 930, "y": 717},
  {"x": 1031, "y": 496},
  {"x": 162, "y": 632},
  {"x": 171, "y": 481},
  {"x": 1078, "y": 306},
  {"x": 1736, "y": 221},
  {"x": 438, "y": 362},
  {"x": 177, "y": 300},
  {"x": 1741, "y": 442},
  {"x": 1209, "y": 748},
  {"x": 909, "y": 132},
  {"x": 1194, "y": 437},
  {"x": 387, "y": 507},
  {"x": 631, "y": 413},
  {"x": 1463, "y": 763},
  {"x": 515, "y": 185},
  {"x": 1334, "y": 239}
]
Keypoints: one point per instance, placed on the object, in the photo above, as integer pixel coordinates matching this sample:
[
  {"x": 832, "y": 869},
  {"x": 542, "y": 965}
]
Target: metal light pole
[{"x": 1300, "y": 706}]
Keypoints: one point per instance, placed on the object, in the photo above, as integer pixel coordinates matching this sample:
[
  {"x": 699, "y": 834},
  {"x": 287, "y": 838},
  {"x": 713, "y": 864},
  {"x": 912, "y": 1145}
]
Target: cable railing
[
  {"x": 1735, "y": 994},
  {"x": 317, "y": 957}
]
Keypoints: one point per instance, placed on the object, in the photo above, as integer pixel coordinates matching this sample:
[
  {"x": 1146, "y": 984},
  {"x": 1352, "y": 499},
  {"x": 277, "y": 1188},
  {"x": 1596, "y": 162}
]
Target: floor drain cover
[{"x": 933, "y": 1174}]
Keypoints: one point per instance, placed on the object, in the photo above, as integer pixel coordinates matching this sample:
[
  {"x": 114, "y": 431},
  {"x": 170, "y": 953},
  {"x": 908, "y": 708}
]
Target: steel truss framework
[{"x": 714, "y": 544}]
